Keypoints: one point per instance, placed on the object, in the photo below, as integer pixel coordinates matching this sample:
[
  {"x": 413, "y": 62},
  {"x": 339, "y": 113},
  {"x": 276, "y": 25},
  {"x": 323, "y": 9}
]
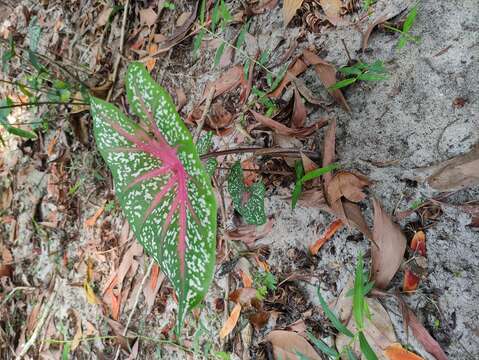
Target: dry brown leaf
[
  {"x": 181, "y": 99},
  {"x": 294, "y": 70},
  {"x": 306, "y": 93},
  {"x": 332, "y": 9},
  {"x": 299, "y": 111},
  {"x": 244, "y": 296},
  {"x": 103, "y": 17},
  {"x": 421, "y": 334},
  {"x": 289, "y": 10},
  {"x": 379, "y": 20},
  {"x": 355, "y": 218},
  {"x": 395, "y": 351},
  {"x": 457, "y": 173},
  {"x": 390, "y": 246},
  {"x": 79, "y": 332},
  {"x": 348, "y": 185},
  {"x": 284, "y": 130},
  {"x": 250, "y": 177},
  {"x": 230, "y": 324},
  {"x": 229, "y": 80},
  {"x": 327, "y": 75},
  {"x": 148, "y": 17},
  {"x": 250, "y": 233},
  {"x": 286, "y": 345}
]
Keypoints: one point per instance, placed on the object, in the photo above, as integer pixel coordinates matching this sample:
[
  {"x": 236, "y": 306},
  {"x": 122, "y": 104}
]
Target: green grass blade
[
  {"x": 333, "y": 318},
  {"x": 321, "y": 345},
  {"x": 343, "y": 83},
  {"x": 358, "y": 294},
  {"x": 318, "y": 172},
  {"x": 410, "y": 20},
  {"x": 368, "y": 353},
  {"x": 350, "y": 353}
]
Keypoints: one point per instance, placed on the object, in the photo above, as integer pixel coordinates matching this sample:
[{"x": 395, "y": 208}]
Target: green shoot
[
  {"x": 263, "y": 282},
  {"x": 309, "y": 176},
  {"x": 367, "y": 4},
  {"x": 361, "y": 71},
  {"x": 169, "y": 5},
  {"x": 333, "y": 318},
  {"x": 5, "y": 110},
  {"x": 322, "y": 346},
  {"x": 405, "y": 32}
]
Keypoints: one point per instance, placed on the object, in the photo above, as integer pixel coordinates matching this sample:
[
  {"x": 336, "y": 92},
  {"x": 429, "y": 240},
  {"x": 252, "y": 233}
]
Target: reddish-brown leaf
[
  {"x": 294, "y": 70},
  {"x": 327, "y": 75},
  {"x": 389, "y": 248},
  {"x": 286, "y": 345},
  {"x": 250, "y": 233},
  {"x": 228, "y": 81},
  {"x": 284, "y": 130},
  {"x": 299, "y": 111},
  {"x": 243, "y": 296},
  {"x": 410, "y": 281},
  {"x": 259, "y": 319},
  {"x": 348, "y": 185},
  {"x": 355, "y": 218},
  {"x": 422, "y": 335},
  {"x": 418, "y": 243}
]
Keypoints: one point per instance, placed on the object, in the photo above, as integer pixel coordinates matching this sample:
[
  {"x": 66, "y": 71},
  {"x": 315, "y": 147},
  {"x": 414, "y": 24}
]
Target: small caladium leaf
[
  {"x": 248, "y": 201},
  {"x": 161, "y": 184}
]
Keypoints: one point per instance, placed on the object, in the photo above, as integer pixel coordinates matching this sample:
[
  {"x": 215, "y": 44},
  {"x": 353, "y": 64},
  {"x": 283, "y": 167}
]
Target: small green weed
[
  {"x": 263, "y": 282},
  {"x": 360, "y": 312},
  {"x": 169, "y": 5},
  {"x": 405, "y": 32},
  {"x": 361, "y": 72}
]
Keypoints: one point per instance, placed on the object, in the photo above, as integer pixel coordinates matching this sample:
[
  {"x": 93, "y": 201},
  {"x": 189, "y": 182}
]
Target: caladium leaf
[
  {"x": 161, "y": 184},
  {"x": 248, "y": 201}
]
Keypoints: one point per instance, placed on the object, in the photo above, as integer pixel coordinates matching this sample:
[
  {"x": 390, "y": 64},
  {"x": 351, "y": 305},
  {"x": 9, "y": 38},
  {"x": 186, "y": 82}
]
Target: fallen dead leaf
[
  {"x": 420, "y": 332},
  {"x": 103, "y": 17},
  {"x": 327, "y": 75},
  {"x": 246, "y": 297},
  {"x": 299, "y": 111},
  {"x": 417, "y": 266},
  {"x": 286, "y": 345},
  {"x": 390, "y": 246},
  {"x": 332, "y": 9},
  {"x": 297, "y": 68},
  {"x": 230, "y": 323},
  {"x": 250, "y": 233},
  {"x": 306, "y": 92},
  {"x": 151, "y": 290},
  {"x": 289, "y": 10},
  {"x": 228, "y": 81},
  {"x": 78, "y": 332},
  {"x": 151, "y": 61},
  {"x": 250, "y": 177},
  {"x": 457, "y": 173},
  {"x": 181, "y": 99},
  {"x": 365, "y": 39},
  {"x": 148, "y": 17},
  {"x": 284, "y": 130},
  {"x": 355, "y": 218},
  {"x": 246, "y": 279},
  {"x": 328, "y": 234},
  {"x": 348, "y": 185},
  {"x": 395, "y": 351}
]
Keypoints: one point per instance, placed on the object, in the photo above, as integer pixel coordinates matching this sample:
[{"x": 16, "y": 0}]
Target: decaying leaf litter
[{"x": 59, "y": 215}]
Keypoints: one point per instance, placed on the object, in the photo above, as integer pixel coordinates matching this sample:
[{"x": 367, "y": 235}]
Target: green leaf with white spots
[
  {"x": 248, "y": 201},
  {"x": 161, "y": 184}
]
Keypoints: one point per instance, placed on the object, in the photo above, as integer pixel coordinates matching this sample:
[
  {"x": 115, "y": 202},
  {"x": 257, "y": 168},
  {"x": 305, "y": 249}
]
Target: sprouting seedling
[
  {"x": 367, "y": 4},
  {"x": 301, "y": 179},
  {"x": 361, "y": 71},
  {"x": 161, "y": 184},
  {"x": 360, "y": 312},
  {"x": 248, "y": 201},
  {"x": 405, "y": 32}
]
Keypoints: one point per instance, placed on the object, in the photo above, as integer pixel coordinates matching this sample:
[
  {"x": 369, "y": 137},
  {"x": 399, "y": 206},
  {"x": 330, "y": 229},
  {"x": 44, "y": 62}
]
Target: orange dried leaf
[
  {"x": 395, "y": 351},
  {"x": 246, "y": 279},
  {"x": 328, "y": 234},
  {"x": 418, "y": 243},
  {"x": 410, "y": 281},
  {"x": 231, "y": 322},
  {"x": 296, "y": 69},
  {"x": 150, "y": 63},
  {"x": 90, "y": 222}
]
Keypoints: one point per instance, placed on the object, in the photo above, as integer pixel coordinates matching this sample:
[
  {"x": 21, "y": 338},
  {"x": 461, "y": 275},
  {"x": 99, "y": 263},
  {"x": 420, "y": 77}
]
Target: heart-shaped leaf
[
  {"x": 161, "y": 184},
  {"x": 248, "y": 201}
]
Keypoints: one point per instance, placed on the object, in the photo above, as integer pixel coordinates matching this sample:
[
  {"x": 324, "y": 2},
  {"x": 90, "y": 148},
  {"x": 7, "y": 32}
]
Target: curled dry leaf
[
  {"x": 287, "y": 344},
  {"x": 297, "y": 68},
  {"x": 327, "y": 75},
  {"x": 218, "y": 119},
  {"x": 417, "y": 266},
  {"x": 355, "y": 218},
  {"x": 244, "y": 296},
  {"x": 306, "y": 92},
  {"x": 348, "y": 185},
  {"x": 457, "y": 173},
  {"x": 284, "y": 130},
  {"x": 148, "y": 17},
  {"x": 230, "y": 324},
  {"x": 379, "y": 20},
  {"x": 390, "y": 246},
  {"x": 395, "y": 351},
  {"x": 228, "y": 81},
  {"x": 299, "y": 111},
  {"x": 289, "y": 10},
  {"x": 250, "y": 233},
  {"x": 181, "y": 99}
]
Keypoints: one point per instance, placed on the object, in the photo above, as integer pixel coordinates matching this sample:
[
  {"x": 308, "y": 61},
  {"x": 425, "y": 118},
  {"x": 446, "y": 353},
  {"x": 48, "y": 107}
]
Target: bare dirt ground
[{"x": 71, "y": 269}]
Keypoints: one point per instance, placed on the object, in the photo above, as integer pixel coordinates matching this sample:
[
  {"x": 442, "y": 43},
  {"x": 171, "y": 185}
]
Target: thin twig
[
  {"x": 120, "y": 52},
  {"x": 201, "y": 123},
  {"x": 263, "y": 152},
  {"x": 347, "y": 51},
  {"x": 41, "y": 322},
  {"x": 19, "y": 84},
  {"x": 135, "y": 304},
  {"x": 40, "y": 103}
]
